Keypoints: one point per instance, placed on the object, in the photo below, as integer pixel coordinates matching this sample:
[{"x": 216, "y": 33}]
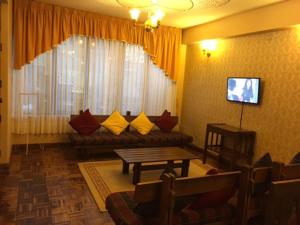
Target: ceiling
[{"x": 201, "y": 13}]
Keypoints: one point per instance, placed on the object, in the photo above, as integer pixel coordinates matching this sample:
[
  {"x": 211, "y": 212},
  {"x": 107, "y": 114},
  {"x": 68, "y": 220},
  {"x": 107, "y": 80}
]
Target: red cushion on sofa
[
  {"x": 85, "y": 123},
  {"x": 165, "y": 122},
  {"x": 213, "y": 199}
]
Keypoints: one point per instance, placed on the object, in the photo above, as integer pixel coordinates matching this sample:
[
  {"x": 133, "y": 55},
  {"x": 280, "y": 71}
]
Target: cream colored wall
[
  {"x": 266, "y": 18},
  {"x": 6, "y": 72},
  {"x": 273, "y": 56}
]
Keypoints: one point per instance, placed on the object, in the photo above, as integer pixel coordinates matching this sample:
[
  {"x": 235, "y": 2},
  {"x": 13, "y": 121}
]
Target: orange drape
[{"x": 38, "y": 27}]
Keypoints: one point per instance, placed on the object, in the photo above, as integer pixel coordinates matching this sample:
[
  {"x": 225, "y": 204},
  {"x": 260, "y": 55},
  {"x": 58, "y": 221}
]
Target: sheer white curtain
[{"x": 82, "y": 73}]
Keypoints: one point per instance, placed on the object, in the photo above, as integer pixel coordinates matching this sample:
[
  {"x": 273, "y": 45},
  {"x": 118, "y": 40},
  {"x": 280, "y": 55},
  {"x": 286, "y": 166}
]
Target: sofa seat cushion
[
  {"x": 120, "y": 206},
  {"x": 104, "y": 138},
  {"x": 154, "y": 138},
  {"x": 161, "y": 138},
  {"x": 204, "y": 216}
]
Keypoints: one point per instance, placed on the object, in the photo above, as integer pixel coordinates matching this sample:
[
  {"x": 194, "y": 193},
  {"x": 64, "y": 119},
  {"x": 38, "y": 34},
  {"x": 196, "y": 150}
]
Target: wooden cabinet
[{"x": 229, "y": 143}]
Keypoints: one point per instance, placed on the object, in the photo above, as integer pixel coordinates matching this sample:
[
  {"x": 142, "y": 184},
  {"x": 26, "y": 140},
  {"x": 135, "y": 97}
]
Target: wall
[
  {"x": 275, "y": 57},
  {"x": 180, "y": 80},
  {"x": 274, "y": 16},
  {"x": 6, "y": 72}
]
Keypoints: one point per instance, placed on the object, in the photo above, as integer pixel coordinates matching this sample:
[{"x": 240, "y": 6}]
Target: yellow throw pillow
[
  {"x": 115, "y": 123},
  {"x": 142, "y": 124}
]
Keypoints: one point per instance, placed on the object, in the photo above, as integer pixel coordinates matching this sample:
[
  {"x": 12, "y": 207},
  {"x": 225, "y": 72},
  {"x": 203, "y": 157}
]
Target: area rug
[{"x": 105, "y": 177}]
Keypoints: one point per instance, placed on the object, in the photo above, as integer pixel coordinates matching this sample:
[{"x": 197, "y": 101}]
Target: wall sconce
[{"x": 208, "y": 46}]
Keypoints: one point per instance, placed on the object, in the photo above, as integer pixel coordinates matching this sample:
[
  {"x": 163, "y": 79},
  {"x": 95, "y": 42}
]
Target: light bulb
[
  {"x": 154, "y": 21},
  {"x": 134, "y": 14},
  {"x": 159, "y": 14}
]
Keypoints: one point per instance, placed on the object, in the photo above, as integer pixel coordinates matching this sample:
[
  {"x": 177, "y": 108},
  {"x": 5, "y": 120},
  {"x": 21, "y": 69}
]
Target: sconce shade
[
  {"x": 134, "y": 14},
  {"x": 209, "y": 45}
]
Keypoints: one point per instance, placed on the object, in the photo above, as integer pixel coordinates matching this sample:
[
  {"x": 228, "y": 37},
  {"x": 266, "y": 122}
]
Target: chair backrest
[
  {"x": 260, "y": 179},
  {"x": 169, "y": 188},
  {"x": 160, "y": 191},
  {"x": 257, "y": 182},
  {"x": 147, "y": 191},
  {"x": 199, "y": 185},
  {"x": 287, "y": 172},
  {"x": 260, "y": 184}
]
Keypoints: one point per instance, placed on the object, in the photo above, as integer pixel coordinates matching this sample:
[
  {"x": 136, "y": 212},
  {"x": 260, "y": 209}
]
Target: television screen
[{"x": 243, "y": 89}]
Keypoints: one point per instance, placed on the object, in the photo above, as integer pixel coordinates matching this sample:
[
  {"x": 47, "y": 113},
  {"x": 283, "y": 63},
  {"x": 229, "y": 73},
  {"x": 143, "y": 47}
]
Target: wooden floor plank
[{"x": 46, "y": 187}]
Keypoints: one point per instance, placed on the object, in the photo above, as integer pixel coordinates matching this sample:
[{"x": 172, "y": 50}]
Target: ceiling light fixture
[{"x": 154, "y": 8}]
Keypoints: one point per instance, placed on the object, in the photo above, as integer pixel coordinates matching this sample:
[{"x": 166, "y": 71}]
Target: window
[{"x": 82, "y": 73}]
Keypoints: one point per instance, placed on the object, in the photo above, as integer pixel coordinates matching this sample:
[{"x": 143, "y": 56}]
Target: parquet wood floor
[{"x": 46, "y": 187}]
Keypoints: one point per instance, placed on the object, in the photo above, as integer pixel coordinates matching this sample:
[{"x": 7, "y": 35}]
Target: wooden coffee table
[{"x": 138, "y": 156}]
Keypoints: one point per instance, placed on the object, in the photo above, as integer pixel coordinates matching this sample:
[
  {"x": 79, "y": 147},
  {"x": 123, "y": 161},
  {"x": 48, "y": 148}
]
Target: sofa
[{"x": 129, "y": 138}]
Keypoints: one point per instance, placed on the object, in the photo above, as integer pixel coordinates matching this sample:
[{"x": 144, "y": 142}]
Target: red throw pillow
[
  {"x": 165, "y": 122},
  {"x": 212, "y": 199},
  {"x": 85, "y": 123}
]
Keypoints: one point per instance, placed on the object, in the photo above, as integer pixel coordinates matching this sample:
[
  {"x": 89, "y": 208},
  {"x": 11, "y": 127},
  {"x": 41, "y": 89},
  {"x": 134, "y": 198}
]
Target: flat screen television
[{"x": 243, "y": 89}]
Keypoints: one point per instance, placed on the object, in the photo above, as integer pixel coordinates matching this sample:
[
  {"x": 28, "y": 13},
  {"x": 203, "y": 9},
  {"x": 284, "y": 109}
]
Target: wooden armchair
[
  {"x": 184, "y": 187},
  {"x": 270, "y": 188},
  {"x": 284, "y": 196},
  {"x": 165, "y": 194}
]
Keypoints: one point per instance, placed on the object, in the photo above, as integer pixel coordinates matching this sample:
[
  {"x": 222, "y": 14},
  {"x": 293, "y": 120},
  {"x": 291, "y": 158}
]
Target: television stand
[{"x": 229, "y": 143}]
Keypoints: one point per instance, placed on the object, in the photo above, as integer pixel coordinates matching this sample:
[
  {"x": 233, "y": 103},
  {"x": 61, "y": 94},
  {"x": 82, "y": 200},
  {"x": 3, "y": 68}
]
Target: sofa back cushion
[
  {"x": 85, "y": 123},
  {"x": 142, "y": 124},
  {"x": 115, "y": 123},
  {"x": 165, "y": 122}
]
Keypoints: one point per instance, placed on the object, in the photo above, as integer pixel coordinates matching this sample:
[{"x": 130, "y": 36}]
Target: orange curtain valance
[{"x": 38, "y": 27}]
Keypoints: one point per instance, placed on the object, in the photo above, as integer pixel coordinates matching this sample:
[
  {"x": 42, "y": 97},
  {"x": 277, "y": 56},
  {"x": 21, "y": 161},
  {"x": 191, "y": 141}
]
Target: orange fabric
[{"x": 40, "y": 27}]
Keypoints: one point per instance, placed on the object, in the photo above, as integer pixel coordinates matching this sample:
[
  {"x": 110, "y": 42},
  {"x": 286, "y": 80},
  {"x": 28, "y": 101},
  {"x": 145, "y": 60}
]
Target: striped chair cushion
[{"x": 204, "y": 216}]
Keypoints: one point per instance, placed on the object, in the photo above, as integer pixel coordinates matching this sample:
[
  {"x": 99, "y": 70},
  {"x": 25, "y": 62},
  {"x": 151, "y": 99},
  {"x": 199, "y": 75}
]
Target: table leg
[
  {"x": 170, "y": 165},
  {"x": 136, "y": 173},
  {"x": 185, "y": 168},
  {"x": 205, "y": 147},
  {"x": 125, "y": 169}
]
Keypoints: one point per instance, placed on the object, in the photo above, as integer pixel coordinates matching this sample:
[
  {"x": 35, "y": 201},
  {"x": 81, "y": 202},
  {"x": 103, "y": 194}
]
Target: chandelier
[{"x": 155, "y": 10}]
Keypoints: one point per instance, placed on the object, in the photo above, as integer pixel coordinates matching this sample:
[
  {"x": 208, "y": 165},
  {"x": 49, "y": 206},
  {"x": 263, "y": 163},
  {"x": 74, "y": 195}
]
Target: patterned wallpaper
[{"x": 273, "y": 56}]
